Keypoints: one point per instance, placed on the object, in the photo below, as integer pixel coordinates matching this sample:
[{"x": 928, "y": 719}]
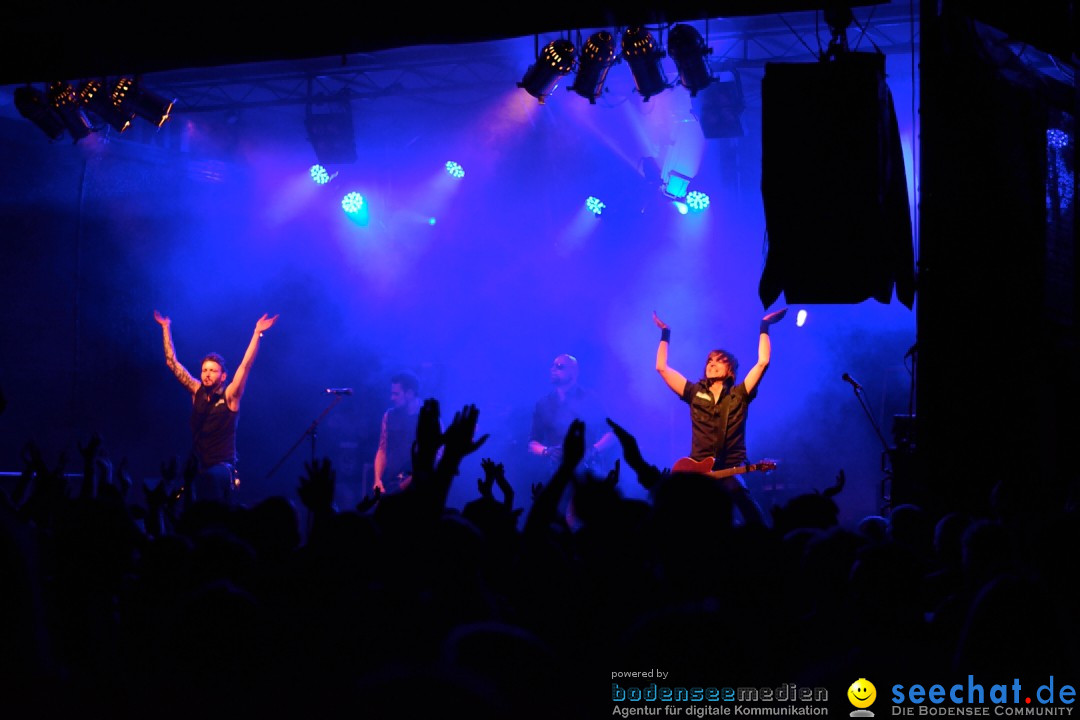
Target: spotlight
[
  {"x": 676, "y": 185},
  {"x": 129, "y": 96},
  {"x": 319, "y": 174},
  {"x": 33, "y": 105},
  {"x": 65, "y": 102},
  {"x": 595, "y": 205},
  {"x": 697, "y": 201},
  {"x": 643, "y": 55},
  {"x": 719, "y": 107},
  {"x": 597, "y": 57},
  {"x": 352, "y": 202},
  {"x": 94, "y": 97},
  {"x": 454, "y": 169},
  {"x": 554, "y": 62},
  {"x": 356, "y": 209},
  {"x": 688, "y": 50}
]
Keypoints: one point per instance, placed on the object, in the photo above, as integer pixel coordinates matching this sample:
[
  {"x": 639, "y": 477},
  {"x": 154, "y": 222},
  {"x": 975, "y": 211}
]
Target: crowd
[{"x": 405, "y": 607}]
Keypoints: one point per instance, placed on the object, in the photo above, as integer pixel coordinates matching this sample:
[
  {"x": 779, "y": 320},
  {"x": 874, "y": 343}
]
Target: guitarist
[
  {"x": 393, "y": 459},
  {"x": 719, "y": 406},
  {"x": 553, "y": 413}
]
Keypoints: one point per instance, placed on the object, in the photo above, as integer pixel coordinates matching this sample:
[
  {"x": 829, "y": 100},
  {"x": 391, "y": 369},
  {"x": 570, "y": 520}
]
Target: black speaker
[{"x": 833, "y": 184}]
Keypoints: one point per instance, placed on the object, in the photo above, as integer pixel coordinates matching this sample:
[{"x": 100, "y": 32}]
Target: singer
[
  {"x": 719, "y": 407},
  {"x": 215, "y": 409}
]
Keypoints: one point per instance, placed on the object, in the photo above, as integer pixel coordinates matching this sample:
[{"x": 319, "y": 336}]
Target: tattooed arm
[{"x": 186, "y": 379}]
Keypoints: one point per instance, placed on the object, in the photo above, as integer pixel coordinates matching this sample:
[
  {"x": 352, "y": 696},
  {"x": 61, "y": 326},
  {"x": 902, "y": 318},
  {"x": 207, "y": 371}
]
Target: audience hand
[
  {"x": 316, "y": 489},
  {"x": 573, "y": 445},
  {"x": 485, "y": 484}
]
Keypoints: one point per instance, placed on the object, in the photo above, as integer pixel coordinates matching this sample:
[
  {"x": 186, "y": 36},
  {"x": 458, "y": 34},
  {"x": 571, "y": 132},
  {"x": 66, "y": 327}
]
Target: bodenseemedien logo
[{"x": 862, "y": 694}]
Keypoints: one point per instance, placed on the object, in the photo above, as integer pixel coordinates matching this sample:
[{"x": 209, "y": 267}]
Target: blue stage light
[
  {"x": 352, "y": 203},
  {"x": 697, "y": 201}
]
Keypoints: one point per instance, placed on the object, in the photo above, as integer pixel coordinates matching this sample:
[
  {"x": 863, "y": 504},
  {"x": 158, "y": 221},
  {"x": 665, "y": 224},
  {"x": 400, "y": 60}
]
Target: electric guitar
[
  {"x": 594, "y": 461},
  {"x": 705, "y": 467},
  {"x": 396, "y": 482}
]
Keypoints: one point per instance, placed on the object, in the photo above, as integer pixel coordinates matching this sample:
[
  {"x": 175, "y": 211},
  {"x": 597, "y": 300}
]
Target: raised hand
[
  {"x": 429, "y": 438},
  {"x": 485, "y": 484},
  {"x": 90, "y": 451},
  {"x": 458, "y": 439},
  {"x": 162, "y": 320},
  {"x": 507, "y": 490},
  {"x": 659, "y": 323},
  {"x": 262, "y": 324},
  {"x": 629, "y": 444},
  {"x": 123, "y": 477},
  {"x": 841, "y": 480},
  {"x": 103, "y": 473},
  {"x": 574, "y": 445},
  {"x": 612, "y": 478},
  {"x": 316, "y": 489}
]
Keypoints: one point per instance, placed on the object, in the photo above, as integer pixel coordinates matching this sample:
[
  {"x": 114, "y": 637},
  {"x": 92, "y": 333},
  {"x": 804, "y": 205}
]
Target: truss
[{"x": 739, "y": 42}]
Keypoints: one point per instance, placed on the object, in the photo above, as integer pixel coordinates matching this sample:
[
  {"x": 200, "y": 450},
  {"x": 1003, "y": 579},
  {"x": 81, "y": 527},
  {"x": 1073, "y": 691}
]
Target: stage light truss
[{"x": 96, "y": 105}]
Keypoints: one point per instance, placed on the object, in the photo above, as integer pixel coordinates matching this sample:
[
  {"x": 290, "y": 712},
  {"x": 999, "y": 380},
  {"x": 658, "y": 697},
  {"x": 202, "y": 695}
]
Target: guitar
[
  {"x": 705, "y": 467},
  {"x": 395, "y": 483},
  {"x": 593, "y": 461}
]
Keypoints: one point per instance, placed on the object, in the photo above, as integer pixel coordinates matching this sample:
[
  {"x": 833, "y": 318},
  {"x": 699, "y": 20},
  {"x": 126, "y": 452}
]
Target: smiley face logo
[{"x": 862, "y": 693}]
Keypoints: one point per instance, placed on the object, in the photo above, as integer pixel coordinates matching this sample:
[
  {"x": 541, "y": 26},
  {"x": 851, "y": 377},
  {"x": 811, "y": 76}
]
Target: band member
[
  {"x": 393, "y": 459},
  {"x": 719, "y": 406},
  {"x": 567, "y": 402},
  {"x": 215, "y": 410}
]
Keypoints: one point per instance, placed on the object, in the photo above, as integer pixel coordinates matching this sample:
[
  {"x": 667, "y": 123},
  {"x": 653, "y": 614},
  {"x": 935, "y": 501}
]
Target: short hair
[
  {"x": 731, "y": 360},
  {"x": 407, "y": 381},
  {"x": 216, "y": 358}
]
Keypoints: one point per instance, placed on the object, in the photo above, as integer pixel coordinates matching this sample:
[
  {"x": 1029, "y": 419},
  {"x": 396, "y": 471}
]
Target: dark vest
[
  {"x": 213, "y": 429},
  {"x": 718, "y": 427},
  {"x": 400, "y": 433}
]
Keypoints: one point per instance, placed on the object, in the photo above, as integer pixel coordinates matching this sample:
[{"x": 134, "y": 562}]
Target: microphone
[
  {"x": 339, "y": 391},
  {"x": 848, "y": 379}
]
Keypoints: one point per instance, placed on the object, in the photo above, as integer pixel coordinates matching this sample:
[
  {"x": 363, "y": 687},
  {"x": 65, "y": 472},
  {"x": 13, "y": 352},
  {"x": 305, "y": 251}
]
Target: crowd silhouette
[{"x": 405, "y": 607}]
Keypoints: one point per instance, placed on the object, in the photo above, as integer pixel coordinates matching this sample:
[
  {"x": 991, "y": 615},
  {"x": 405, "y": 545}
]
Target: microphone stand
[
  {"x": 311, "y": 430},
  {"x": 885, "y": 445}
]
